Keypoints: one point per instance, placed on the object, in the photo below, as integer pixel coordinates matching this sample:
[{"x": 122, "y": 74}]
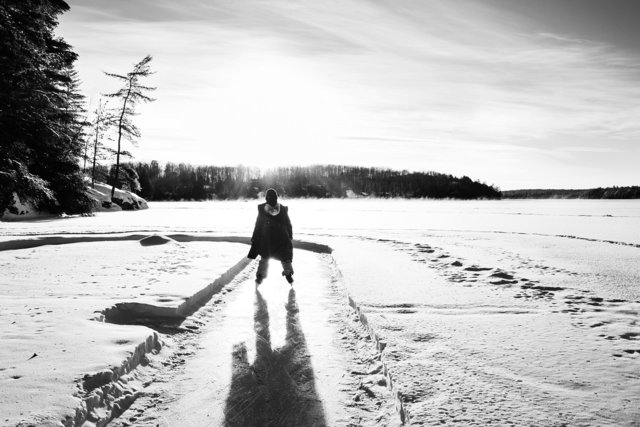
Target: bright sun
[{"x": 274, "y": 113}]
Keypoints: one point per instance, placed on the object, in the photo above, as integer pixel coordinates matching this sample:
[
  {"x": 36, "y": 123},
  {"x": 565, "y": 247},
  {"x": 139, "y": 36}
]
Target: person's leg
[
  {"x": 287, "y": 270},
  {"x": 263, "y": 269}
]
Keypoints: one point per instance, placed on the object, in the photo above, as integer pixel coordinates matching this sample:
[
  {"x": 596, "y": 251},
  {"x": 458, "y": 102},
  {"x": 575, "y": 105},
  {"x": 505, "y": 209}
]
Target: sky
[{"x": 513, "y": 93}]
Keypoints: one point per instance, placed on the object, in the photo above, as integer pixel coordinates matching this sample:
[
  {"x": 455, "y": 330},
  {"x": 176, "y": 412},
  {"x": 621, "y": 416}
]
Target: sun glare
[{"x": 273, "y": 113}]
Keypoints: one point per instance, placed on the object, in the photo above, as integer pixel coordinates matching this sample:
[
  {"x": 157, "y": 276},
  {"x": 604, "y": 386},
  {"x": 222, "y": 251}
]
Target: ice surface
[
  {"x": 270, "y": 357},
  {"x": 493, "y": 312}
]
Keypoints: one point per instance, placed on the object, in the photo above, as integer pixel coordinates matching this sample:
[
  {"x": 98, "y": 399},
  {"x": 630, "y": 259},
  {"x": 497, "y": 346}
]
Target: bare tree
[
  {"x": 102, "y": 120},
  {"x": 131, "y": 93}
]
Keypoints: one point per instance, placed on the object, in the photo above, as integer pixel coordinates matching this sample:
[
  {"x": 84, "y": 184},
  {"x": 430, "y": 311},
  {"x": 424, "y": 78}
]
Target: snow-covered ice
[
  {"x": 478, "y": 343},
  {"x": 502, "y": 312},
  {"x": 51, "y": 296}
]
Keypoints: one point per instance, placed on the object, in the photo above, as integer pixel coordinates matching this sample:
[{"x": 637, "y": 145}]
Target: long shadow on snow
[{"x": 279, "y": 388}]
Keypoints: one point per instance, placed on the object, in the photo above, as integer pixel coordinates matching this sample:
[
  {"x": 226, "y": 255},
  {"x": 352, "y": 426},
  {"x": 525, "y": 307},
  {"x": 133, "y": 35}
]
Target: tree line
[
  {"x": 187, "y": 182},
  {"x": 592, "y": 193}
]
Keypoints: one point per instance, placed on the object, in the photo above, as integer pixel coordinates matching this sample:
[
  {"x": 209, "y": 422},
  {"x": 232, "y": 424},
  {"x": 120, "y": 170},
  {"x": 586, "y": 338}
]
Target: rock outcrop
[{"x": 100, "y": 194}]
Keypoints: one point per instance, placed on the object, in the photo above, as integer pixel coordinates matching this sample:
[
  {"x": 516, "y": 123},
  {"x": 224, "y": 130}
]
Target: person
[{"x": 272, "y": 237}]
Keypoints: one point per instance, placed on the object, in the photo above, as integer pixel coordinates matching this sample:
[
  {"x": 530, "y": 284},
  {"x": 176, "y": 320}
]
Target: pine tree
[
  {"x": 131, "y": 93},
  {"x": 40, "y": 113},
  {"x": 75, "y": 107}
]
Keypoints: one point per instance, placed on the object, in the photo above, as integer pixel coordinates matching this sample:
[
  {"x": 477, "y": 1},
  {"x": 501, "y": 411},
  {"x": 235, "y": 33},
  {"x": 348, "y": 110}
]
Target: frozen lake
[
  {"x": 616, "y": 220},
  {"x": 492, "y": 311},
  {"x": 601, "y": 236}
]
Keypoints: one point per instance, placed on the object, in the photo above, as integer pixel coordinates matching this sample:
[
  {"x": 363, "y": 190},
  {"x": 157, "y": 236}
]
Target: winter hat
[{"x": 271, "y": 196}]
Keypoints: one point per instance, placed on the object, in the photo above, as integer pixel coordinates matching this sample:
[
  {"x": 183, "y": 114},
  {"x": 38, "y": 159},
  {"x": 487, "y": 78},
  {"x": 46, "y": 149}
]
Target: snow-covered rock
[
  {"x": 122, "y": 200},
  {"x": 21, "y": 210},
  {"x": 100, "y": 194}
]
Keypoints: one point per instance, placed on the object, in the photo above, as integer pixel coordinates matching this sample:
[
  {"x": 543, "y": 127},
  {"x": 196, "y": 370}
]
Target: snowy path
[{"x": 273, "y": 355}]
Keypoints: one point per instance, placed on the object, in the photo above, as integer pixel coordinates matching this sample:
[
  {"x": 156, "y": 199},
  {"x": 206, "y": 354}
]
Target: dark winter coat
[{"x": 272, "y": 235}]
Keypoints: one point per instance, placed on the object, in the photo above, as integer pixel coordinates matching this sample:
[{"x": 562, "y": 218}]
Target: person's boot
[{"x": 289, "y": 276}]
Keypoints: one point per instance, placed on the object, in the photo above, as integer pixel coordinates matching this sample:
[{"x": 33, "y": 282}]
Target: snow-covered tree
[{"x": 40, "y": 110}]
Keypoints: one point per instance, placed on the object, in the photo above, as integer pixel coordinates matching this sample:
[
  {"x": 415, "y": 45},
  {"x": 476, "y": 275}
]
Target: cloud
[
  {"x": 578, "y": 149},
  {"x": 406, "y": 83}
]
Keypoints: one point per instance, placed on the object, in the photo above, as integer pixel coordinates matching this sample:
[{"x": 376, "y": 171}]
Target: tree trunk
[
  {"x": 95, "y": 154},
  {"x": 115, "y": 180},
  {"x": 124, "y": 108}
]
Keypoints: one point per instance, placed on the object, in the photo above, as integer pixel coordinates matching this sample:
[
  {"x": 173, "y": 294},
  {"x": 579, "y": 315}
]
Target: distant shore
[{"x": 592, "y": 193}]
